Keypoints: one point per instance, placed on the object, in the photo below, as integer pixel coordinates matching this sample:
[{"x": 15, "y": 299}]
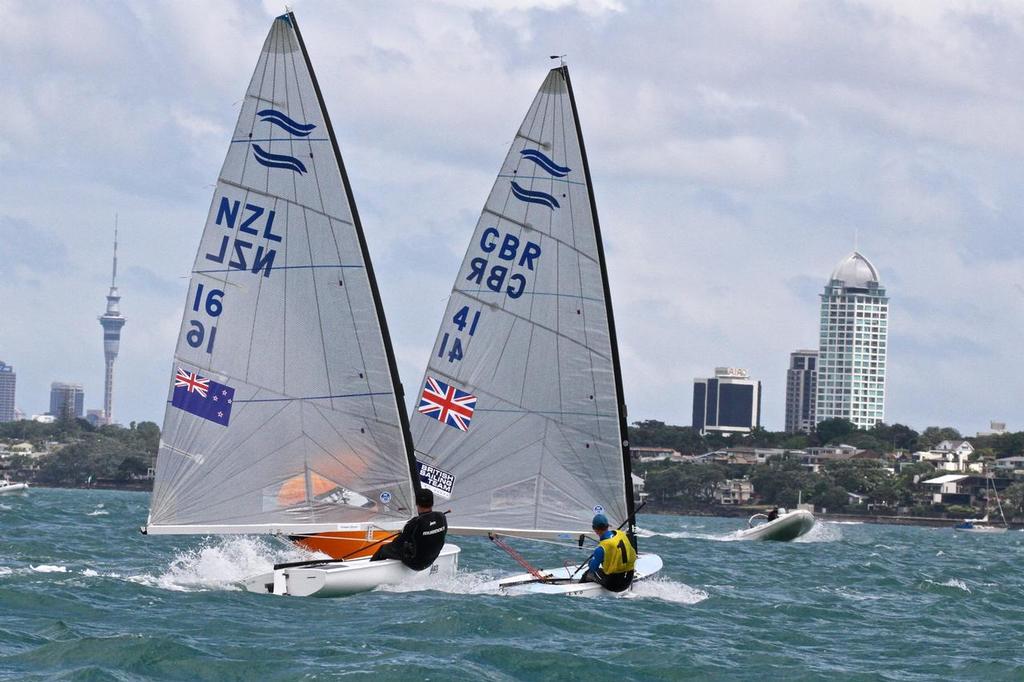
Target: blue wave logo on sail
[
  {"x": 546, "y": 163},
  {"x": 533, "y": 196},
  {"x": 277, "y": 160},
  {"x": 282, "y": 121}
]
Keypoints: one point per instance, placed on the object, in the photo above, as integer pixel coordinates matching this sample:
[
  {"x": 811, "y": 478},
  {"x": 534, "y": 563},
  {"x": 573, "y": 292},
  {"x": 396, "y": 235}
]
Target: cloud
[{"x": 738, "y": 151}]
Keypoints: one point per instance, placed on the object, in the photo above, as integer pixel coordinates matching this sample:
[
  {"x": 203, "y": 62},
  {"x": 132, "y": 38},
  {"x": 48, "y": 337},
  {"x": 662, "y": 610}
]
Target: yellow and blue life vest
[{"x": 619, "y": 553}]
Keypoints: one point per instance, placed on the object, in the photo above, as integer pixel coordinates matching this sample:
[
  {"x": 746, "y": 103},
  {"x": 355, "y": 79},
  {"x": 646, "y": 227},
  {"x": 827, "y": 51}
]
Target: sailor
[
  {"x": 611, "y": 565},
  {"x": 773, "y": 514},
  {"x": 421, "y": 539}
]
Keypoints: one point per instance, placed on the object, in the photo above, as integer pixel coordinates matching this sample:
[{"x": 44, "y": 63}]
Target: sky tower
[{"x": 111, "y": 321}]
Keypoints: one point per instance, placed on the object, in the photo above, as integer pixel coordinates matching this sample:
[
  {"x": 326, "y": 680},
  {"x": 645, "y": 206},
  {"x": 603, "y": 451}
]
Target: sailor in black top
[{"x": 421, "y": 540}]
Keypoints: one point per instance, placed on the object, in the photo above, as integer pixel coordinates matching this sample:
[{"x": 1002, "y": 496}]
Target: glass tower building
[
  {"x": 852, "y": 344},
  {"x": 801, "y": 391},
  {"x": 8, "y": 382}
]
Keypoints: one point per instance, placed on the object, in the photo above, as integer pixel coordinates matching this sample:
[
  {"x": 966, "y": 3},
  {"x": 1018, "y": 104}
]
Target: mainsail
[
  {"x": 521, "y": 415},
  {"x": 284, "y": 409}
]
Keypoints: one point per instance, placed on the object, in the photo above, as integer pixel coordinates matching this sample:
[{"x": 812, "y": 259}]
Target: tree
[
  {"x": 834, "y": 431},
  {"x": 934, "y": 435}
]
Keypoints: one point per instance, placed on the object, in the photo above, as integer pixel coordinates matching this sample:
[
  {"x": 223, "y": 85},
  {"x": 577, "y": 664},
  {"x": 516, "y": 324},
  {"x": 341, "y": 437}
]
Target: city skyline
[{"x": 729, "y": 170}]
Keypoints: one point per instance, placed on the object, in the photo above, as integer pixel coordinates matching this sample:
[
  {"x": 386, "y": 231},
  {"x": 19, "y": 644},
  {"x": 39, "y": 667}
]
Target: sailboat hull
[
  {"x": 981, "y": 530},
  {"x": 354, "y": 544},
  {"x": 787, "y": 527},
  {"x": 350, "y": 577},
  {"x": 561, "y": 580},
  {"x": 13, "y": 488}
]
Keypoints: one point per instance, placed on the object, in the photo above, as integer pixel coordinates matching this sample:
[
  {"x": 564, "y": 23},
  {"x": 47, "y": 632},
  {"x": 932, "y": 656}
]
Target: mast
[
  {"x": 620, "y": 400},
  {"x": 382, "y": 320}
]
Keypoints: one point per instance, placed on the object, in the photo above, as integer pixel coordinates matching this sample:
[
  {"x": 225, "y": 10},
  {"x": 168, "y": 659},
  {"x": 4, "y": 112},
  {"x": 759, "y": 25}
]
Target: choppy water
[{"x": 84, "y": 596}]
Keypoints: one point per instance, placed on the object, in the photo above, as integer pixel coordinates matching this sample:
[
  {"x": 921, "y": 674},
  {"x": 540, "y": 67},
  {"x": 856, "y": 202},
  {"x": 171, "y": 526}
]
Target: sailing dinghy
[
  {"x": 521, "y": 420},
  {"x": 284, "y": 414}
]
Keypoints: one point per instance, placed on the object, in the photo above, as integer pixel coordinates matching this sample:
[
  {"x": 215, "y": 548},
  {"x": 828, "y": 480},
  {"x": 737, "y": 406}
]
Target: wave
[
  {"x": 47, "y": 568},
  {"x": 822, "y": 532},
  {"x": 221, "y": 565},
  {"x": 665, "y": 589},
  {"x": 532, "y": 196},
  {"x": 539, "y": 158},
  {"x": 269, "y": 160},
  {"x": 285, "y": 123},
  {"x": 951, "y": 583},
  {"x": 98, "y": 512}
]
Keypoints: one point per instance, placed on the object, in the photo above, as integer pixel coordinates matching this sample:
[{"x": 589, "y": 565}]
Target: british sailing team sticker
[{"x": 385, "y": 497}]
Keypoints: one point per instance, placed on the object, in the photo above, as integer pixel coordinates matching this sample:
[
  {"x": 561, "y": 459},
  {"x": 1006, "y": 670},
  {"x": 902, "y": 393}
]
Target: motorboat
[
  {"x": 788, "y": 526},
  {"x": 9, "y": 486}
]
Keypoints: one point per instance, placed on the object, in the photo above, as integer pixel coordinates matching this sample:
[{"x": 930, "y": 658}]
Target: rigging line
[{"x": 519, "y": 558}]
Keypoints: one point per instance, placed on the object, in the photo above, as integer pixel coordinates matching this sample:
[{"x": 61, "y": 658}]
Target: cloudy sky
[{"x": 738, "y": 151}]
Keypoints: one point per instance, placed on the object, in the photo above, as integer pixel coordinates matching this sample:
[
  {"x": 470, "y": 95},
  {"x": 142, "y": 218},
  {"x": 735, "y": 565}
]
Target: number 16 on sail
[{"x": 213, "y": 305}]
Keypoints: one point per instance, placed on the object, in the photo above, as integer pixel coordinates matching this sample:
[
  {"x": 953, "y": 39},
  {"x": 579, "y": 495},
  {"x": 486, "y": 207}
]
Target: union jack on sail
[
  {"x": 191, "y": 381},
  {"x": 447, "y": 404}
]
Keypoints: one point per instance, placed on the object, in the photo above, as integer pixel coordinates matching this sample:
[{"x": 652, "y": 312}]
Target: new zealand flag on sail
[{"x": 202, "y": 397}]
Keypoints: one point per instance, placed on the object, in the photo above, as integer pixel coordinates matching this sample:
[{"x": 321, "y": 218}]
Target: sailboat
[
  {"x": 284, "y": 412},
  {"x": 982, "y": 525},
  {"x": 521, "y": 421}
]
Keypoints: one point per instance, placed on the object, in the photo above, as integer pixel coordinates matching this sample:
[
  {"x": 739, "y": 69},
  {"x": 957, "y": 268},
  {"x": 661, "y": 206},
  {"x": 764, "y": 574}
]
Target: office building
[
  {"x": 852, "y": 344},
  {"x": 801, "y": 391},
  {"x": 730, "y": 402},
  {"x": 67, "y": 401},
  {"x": 111, "y": 321},
  {"x": 8, "y": 382}
]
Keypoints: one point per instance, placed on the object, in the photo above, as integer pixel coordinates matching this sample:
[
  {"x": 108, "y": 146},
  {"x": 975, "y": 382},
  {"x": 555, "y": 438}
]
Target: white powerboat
[
  {"x": 8, "y": 486},
  {"x": 788, "y": 526}
]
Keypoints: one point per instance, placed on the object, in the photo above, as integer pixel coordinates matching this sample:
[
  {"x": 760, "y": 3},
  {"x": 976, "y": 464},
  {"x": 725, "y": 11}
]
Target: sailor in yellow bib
[{"x": 611, "y": 566}]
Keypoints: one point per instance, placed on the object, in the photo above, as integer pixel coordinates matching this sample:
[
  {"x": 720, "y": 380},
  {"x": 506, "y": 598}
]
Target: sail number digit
[
  {"x": 461, "y": 319},
  {"x": 213, "y": 306}
]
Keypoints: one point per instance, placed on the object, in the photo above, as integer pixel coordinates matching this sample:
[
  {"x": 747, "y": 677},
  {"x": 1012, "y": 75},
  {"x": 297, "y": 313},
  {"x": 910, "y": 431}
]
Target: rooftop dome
[{"x": 855, "y": 271}]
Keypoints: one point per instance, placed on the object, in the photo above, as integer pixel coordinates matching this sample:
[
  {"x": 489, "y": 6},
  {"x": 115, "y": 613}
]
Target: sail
[
  {"x": 283, "y": 411},
  {"x": 520, "y": 413}
]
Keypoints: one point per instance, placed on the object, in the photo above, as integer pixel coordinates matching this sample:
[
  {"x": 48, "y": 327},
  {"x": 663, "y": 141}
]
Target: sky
[{"x": 739, "y": 150}]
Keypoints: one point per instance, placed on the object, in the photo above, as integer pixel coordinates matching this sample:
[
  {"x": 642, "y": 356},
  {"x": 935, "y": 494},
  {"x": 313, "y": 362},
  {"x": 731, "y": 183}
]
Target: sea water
[{"x": 85, "y": 596}]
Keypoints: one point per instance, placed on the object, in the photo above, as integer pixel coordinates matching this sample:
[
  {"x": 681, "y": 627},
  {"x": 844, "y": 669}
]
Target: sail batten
[
  {"x": 284, "y": 407},
  {"x": 520, "y": 404}
]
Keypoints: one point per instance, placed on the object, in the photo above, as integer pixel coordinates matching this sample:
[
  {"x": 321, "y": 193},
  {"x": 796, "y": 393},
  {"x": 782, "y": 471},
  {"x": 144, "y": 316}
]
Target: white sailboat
[
  {"x": 521, "y": 419},
  {"x": 982, "y": 526},
  {"x": 284, "y": 413}
]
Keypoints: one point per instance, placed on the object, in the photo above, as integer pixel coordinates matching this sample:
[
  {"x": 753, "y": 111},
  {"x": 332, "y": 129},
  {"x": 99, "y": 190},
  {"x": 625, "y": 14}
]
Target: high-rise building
[
  {"x": 111, "y": 321},
  {"x": 67, "y": 401},
  {"x": 8, "y": 382},
  {"x": 730, "y": 402},
  {"x": 852, "y": 344},
  {"x": 801, "y": 391}
]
